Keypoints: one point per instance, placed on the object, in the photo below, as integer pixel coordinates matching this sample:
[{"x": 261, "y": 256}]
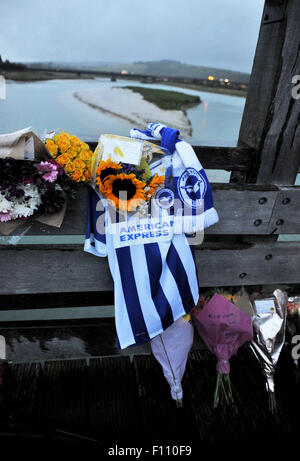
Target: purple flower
[
  {"x": 50, "y": 171},
  {"x": 5, "y": 216},
  {"x": 59, "y": 167}
]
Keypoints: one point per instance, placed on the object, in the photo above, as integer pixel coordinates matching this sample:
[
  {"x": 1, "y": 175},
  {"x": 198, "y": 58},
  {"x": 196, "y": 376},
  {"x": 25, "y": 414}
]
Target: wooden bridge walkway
[{"x": 126, "y": 400}]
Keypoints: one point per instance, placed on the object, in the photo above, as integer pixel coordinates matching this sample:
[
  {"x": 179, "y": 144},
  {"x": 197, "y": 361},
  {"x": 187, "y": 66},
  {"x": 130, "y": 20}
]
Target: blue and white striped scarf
[
  {"x": 154, "y": 283},
  {"x": 190, "y": 183}
]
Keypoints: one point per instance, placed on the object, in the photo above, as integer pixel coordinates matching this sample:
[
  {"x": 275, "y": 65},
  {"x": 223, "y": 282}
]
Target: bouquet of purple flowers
[
  {"x": 31, "y": 187},
  {"x": 224, "y": 327}
]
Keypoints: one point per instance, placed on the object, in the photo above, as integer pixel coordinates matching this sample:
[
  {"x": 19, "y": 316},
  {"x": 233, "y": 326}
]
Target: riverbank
[
  {"x": 131, "y": 106},
  {"x": 36, "y": 76},
  {"x": 39, "y": 75}
]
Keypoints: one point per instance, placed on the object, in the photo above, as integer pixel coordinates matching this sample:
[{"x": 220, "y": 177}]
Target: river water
[{"x": 50, "y": 105}]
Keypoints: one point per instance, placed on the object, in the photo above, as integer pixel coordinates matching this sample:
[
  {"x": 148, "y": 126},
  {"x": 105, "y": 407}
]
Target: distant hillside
[{"x": 164, "y": 68}]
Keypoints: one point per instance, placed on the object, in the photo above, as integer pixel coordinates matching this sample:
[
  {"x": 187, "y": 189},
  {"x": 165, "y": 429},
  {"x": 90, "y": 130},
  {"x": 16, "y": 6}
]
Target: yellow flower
[
  {"x": 63, "y": 145},
  {"x": 77, "y": 175},
  {"x": 52, "y": 147},
  {"x": 62, "y": 159},
  {"x": 156, "y": 181},
  {"x": 84, "y": 155},
  {"x": 79, "y": 163},
  {"x": 64, "y": 135},
  {"x": 87, "y": 174},
  {"x": 104, "y": 169},
  {"x": 84, "y": 146},
  {"x": 71, "y": 153},
  {"x": 75, "y": 143},
  {"x": 56, "y": 138},
  {"x": 69, "y": 167}
]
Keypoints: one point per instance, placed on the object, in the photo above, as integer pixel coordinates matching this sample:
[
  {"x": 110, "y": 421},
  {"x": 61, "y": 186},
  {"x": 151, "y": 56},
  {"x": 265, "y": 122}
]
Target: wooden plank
[
  {"x": 242, "y": 209},
  {"x": 264, "y": 75},
  {"x": 62, "y": 394},
  {"x": 253, "y": 264},
  {"x": 239, "y": 208},
  {"x": 280, "y": 153},
  {"x": 113, "y": 394},
  {"x": 286, "y": 217},
  {"x": 158, "y": 412},
  {"x": 23, "y": 382},
  {"x": 219, "y": 157},
  {"x": 53, "y": 270},
  {"x": 48, "y": 271}
]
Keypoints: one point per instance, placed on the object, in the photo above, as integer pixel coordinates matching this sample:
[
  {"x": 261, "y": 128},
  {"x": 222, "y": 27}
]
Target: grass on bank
[
  {"x": 210, "y": 89},
  {"x": 165, "y": 99}
]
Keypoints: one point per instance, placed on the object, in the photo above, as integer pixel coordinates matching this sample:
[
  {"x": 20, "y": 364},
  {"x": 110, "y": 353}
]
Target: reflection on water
[{"x": 87, "y": 339}]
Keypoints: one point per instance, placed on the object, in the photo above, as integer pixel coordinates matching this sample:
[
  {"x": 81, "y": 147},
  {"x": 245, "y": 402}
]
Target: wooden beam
[
  {"x": 264, "y": 75},
  {"x": 227, "y": 158},
  {"x": 242, "y": 209},
  {"x": 30, "y": 270},
  {"x": 219, "y": 158},
  {"x": 280, "y": 156},
  {"x": 285, "y": 217}
]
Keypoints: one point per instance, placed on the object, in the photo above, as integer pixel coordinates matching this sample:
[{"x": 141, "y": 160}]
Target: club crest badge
[
  {"x": 191, "y": 188},
  {"x": 165, "y": 198}
]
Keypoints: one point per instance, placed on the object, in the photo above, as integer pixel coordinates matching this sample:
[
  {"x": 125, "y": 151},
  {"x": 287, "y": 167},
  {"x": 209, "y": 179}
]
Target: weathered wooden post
[{"x": 271, "y": 117}]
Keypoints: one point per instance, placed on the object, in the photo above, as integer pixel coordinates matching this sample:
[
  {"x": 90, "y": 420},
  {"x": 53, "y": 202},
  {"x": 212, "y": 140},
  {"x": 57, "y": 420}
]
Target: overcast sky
[{"x": 217, "y": 33}]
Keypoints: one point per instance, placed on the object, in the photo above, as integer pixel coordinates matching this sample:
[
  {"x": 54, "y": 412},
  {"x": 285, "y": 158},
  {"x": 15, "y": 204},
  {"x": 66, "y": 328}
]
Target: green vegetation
[
  {"x": 210, "y": 89},
  {"x": 167, "y": 100}
]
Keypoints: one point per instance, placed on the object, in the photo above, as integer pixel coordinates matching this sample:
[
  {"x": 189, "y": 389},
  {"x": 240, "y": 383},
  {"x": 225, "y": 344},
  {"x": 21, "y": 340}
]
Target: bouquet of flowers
[
  {"x": 30, "y": 187},
  {"x": 72, "y": 154},
  {"x": 171, "y": 349},
  {"x": 224, "y": 327},
  {"x": 127, "y": 172},
  {"x": 269, "y": 321},
  {"x": 119, "y": 169},
  {"x": 293, "y": 326}
]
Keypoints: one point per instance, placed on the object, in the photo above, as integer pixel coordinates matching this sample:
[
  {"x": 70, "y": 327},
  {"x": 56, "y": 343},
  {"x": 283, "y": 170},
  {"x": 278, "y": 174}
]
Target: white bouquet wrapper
[{"x": 171, "y": 349}]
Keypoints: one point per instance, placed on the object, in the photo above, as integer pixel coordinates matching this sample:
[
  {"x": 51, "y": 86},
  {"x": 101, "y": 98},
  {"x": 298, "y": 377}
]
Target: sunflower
[
  {"x": 106, "y": 168},
  {"x": 156, "y": 181},
  {"x": 114, "y": 185}
]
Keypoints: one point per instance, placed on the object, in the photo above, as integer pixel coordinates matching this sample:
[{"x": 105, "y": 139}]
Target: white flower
[
  {"x": 23, "y": 208},
  {"x": 5, "y": 205}
]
